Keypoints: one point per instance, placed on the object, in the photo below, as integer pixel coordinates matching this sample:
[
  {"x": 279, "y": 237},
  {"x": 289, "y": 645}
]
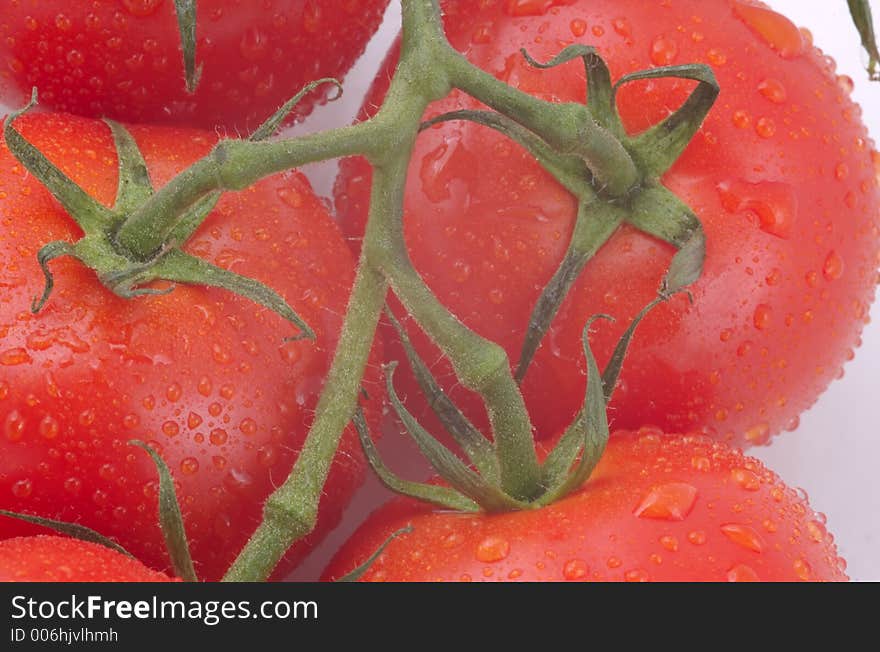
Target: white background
[{"x": 834, "y": 454}]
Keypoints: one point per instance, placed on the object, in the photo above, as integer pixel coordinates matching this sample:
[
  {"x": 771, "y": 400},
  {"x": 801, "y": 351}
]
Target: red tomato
[
  {"x": 123, "y": 59},
  {"x": 782, "y": 175},
  {"x": 58, "y": 559},
  {"x": 202, "y": 375},
  {"x": 658, "y": 507}
]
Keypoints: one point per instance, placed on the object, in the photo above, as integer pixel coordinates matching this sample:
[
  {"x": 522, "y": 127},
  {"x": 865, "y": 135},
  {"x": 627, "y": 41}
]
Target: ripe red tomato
[
  {"x": 658, "y": 507},
  {"x": 123, "y": 59},
  {"x": 59, "y": 559},
  {"x": 202, "y": 375},
  {"x": 782, "y": 175}
]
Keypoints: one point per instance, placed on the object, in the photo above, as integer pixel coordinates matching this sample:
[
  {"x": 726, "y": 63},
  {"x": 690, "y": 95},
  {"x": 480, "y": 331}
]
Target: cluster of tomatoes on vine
[{"x": 782, "y": 176}]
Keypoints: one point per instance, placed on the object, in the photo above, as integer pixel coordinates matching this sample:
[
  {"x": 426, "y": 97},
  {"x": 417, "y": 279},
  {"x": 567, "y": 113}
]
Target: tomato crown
[{"x": 477, "y": 486}]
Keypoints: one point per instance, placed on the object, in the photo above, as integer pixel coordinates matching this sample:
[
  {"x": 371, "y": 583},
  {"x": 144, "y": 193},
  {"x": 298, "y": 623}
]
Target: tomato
[
  {"x": 205, "y": 377},
  {"x": 123, "y": 59},
  {"x": 782, "y": 175},
  {"x": 59, "y": 559},
  {"x": 659, "y": 507}
]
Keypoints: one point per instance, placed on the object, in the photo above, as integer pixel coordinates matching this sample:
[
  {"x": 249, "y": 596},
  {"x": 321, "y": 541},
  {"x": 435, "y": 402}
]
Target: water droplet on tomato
[
  {"x": 189, "y": 465},
  {"x": 14, "y": 357},
  {"x": 173, "y": 392},
  {"x": 741, "y": 119},
  {"x": 669, "y": 543},
  {"x": 802, "y": 569},
  {"x": 518, "y": 8},
  {"x": 773, "y": 203},
  {"x": 63, "y": 23},
  {"x": 575, "y": 569},
  {"x": 743, "y": 535},
  {"x": 668, "y": 502},
  {"x": 697, "y": 537},
  {"x": 267, "y": 455},
  {"x": 22, "y": 488},
  {"x": 636, "y": 575},
  {"x": 248, "y": 426},
  {"x": 578, "y": 27},
  {"x": 758, "y": 434},
  {"x": 622, "y": 26},
  {"x": 775, "y": 30},
  {"x": 663, "y": 51},
  {"x": 193, "y": 420},
  {"x": 492, "y": 549},
  {"x": 170, "y": 428},
  {"x": 816, "y": 531},
  {"x": 72, "y": 485},
  {"x": 13, "y": 426},
  {"x": 746, "y": 479},
  {"x": 773, "y": 90},
  {"x": 141, "y": 7},
  {"x": 49, "y": 427},
  {"x": 762, "y": 316},
  {"x": 846, "y": 83},
  {"x": 765, "y": 127},
  {"x": 218, "y": 437},
  {"x": 742, "y": 573},
  {"x": 833, "y": 267}
]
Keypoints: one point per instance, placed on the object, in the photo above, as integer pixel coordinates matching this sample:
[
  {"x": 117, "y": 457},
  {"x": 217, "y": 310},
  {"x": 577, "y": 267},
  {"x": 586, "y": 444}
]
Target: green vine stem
[{"x": 581, "y": 145}]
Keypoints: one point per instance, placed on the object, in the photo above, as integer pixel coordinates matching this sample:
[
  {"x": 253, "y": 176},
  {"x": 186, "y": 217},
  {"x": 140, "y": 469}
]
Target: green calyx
[
  {"x": 615, "y": 176},
  {"x": 472, "y": 481},
  {"x": 125, "y": 270}
]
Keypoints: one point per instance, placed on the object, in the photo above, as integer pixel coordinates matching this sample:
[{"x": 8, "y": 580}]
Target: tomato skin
[
  {"x": 203, "y": 376},
  {"x": 123, "y": 59},
  {"x": 59, "y": 559},
  {"x": 782, "y": 175},
  {"x": 659, "y": 507}
]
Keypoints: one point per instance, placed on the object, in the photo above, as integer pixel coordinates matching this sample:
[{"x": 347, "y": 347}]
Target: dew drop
[
  {"x": 776, "y": 30},
  {"x": 773, "y": 91},
  {"x": 758, "y": 434},
  {"x": 765, "y": 127},
  {"x": 14, "y": 357},
  {"x": 697, "y": 537},
  {"x": 636, "y": 575},
  {"x": 746, "y": 479},
  {"x": 744, "y": 536},
  {"x": 49, "y": 427},
  {"x": 141, "y": 7},
  {"x": 72, "y": 485},
  {"x": 663, "y": 51},
  {"x": 13, "y": 426},
  {"x": 193, "y": 421},
  {"x": 531, "y": 7},
  {"x": 173, "y": 392},
  {"x": 669, "y": 543},
  {"x": 218, "y": 437},
  {"x": 833, "y": 267},
  {"x": 492, "y": 549},
  {"x": 802, "y": 569},
  {"x": 22, "y": 488},
  {"x": 668, "y": 502},
  {"x": 774, "y": 203},
  {"x": 189, "y": 465},
  {"x": 170, "y": 428},
  {"x": 578, "y": 27},
  {"x": 575, "y": 569},
  {"x": 762, "y": 316},
  {"x": 742, "y": 573}
]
